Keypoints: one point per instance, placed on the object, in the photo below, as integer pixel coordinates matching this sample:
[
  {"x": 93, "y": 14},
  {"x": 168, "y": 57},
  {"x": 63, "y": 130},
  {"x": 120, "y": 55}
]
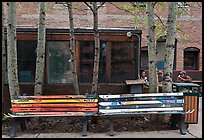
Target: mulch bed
[{"x": 74, "y": 125}]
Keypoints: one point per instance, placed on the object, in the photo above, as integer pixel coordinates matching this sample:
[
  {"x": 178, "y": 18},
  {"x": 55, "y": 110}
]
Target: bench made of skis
[
  {"x": 58, "y": 105},
  {"x": 150, "y": 103}
]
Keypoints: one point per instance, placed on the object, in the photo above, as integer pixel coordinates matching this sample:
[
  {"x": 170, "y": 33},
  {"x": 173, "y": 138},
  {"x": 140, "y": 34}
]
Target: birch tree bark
[
  {"x": 94, "y": 88},
  {"x": 12, "y": 51},
  {"x": 170, "y": 48},
  {"x": 39, "y": 74},
  {"x": 73, "y": 49},
  {"x": 94, "y": 9},
  {"x": 3, "y": 52},
  {"x": 151, "y": 48}
]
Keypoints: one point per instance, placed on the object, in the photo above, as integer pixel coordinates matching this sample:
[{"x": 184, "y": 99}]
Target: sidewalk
[{"x": 195, "y": 131}]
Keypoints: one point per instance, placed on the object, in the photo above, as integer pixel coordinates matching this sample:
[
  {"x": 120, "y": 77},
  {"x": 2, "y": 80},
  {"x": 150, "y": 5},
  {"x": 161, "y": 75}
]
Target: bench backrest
[
  {"x": 59, "y": 105},
  {"x": 150, "y": 103}
]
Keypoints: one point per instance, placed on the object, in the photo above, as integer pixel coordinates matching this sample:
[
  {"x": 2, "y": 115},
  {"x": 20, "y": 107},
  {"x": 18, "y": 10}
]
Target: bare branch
[
  {"x": 160, "y": 20},
  {"x": 121, "y": 8},
  {"x": 89, "y": 6},
  {"x": 199, "y": 4},
  {"x": 154, "y": 4},
  {"x": 100, "y": 5},
  {"x": 65, "y": 4},
  {"x": 180, "y": 30}
]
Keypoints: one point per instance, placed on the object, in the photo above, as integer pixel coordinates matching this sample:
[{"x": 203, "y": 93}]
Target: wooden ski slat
[
  {"x": 54, "y": 109},
  {"x": 142, "y": 106},
  {"x": 53, "y": 101},
  {"x": 141, "y": 95},
  {"x": 57, "y": 105},
  {"x": 139, "y": 102},
  {"x": 55, "y": 97},
  {"x": 34, "y": 114},
  {"x": 138, "y": 110},
  {"x": 144, "y": 112},
  {"x": 137, "y": 99}
]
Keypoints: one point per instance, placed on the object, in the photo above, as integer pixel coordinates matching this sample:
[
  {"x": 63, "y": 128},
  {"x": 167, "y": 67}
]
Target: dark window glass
[
  {"x": 59, "y": 62},
  {"x": 102, "y": 63},
  {"x": 144, "y": 60},
  {"x": 191, "y": 60},
  {"x": 26, "y": 57},
  {"x": 86, "y": 62},
  {"x": 26, "y": 60},
  {"x": 119, "y": 60},
  {"x": 122, "y": 62}
]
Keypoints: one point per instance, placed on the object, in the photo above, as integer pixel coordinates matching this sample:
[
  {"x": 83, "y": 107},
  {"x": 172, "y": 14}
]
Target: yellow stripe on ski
[{"x": 54, "y": 101}]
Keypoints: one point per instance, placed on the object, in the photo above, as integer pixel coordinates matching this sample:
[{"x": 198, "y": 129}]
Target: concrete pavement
[{"x": 195, "y": 131}]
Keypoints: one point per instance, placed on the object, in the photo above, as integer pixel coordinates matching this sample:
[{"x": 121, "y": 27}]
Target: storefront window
[
  {"x": 122, "y": 62},
  {"x": 59, "y": 62},
  {"x": 87, "y": 62},
  {"x": 26, "y": 57}
]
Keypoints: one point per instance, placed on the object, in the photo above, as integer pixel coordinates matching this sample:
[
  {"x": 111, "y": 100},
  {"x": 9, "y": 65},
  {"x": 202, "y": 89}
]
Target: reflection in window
[
  {"x": 26, "y": 59},
  {"x": 102, "y": 63},
  {"x": 86, "y": 62},
  {"x": 144, "y": 59},
  {"x": 122, "y": 61},
  {"x": 59, "y": 62},
  {"x": 191, "y": 57}
]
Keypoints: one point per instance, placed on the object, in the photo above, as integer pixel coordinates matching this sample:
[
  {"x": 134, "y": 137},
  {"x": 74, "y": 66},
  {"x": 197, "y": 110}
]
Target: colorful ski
[
  {"x": 57, "y": 105},
  {"x": 142, "y": 106},
  {"x": 53, "y": 101},
  {"x": 136, "y": 99},
  {"x": 31, "y": 114},
  {"x": 128, "y": 103},
  {"x": 53, "y": 109},
  {"x": 141, "y": 95},
  {"x": 141, "y": 109},
  {"x": 55, "y": 97},
  {"x": 144, "y": 112},
  {"x": 140, "y": 102}
]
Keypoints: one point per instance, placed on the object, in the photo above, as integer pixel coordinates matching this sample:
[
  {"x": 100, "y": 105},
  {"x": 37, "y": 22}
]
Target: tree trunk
[
  {"x": 39, "y": 74},
  {"x": 170, "y": 47},
  {"x": 12, "y": 51},
  {"x": 3, "y": 52},
  {"x": 151, "y": 48},
  {"x": 73, "y": 49},
  {"x": 97, "y": 50}
]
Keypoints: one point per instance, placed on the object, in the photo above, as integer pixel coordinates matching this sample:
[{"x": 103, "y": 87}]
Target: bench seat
[
  {"x": 149, "y": 103},
  {"x": 49, "y": 106}
]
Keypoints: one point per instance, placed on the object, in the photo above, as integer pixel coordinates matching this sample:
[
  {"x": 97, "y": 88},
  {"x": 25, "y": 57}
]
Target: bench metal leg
[
  {"x": 174, "y": 121},
  {"x": 22, "y": 123},
  {"x": 111, "y": 126},
  {"x": 182, "y": 125},
  {"x": 85, "y": 125},
  {"x": 13, "y": 128}
]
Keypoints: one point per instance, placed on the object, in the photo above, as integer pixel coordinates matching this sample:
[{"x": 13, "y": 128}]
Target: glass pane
[
  {"x": 122, "y": 62},
  {"x": 87, "y": 64},
  {"x": 59, "y": 62},
  {"x": 144, "y": 60},
  {"x": 102, "y": 63},
  {"x": 190, "y": 60},
  {"x": 86, "y": 61},
  {"x": 26, "y": 57}
]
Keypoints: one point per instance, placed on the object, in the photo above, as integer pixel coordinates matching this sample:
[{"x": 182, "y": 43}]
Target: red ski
[{"x": 53, "y": 109}]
